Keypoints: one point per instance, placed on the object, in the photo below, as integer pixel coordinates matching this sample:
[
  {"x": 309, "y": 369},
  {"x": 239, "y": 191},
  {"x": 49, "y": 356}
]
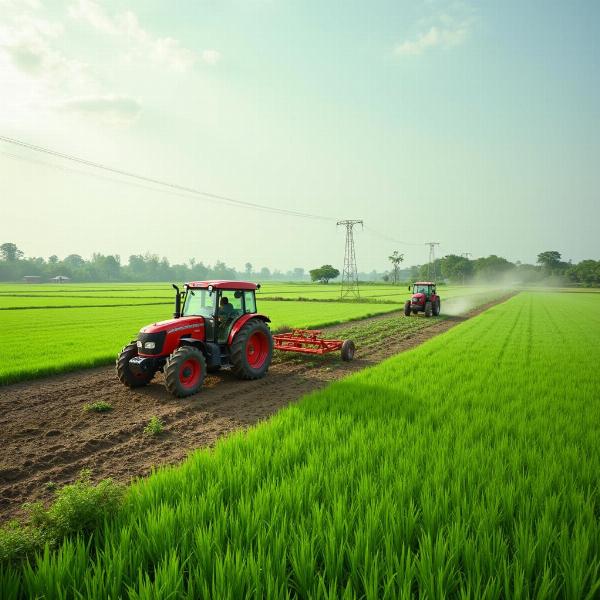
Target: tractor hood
[
  {"x": 172, "y": 325},
  {"x": 418, "y": 298}
]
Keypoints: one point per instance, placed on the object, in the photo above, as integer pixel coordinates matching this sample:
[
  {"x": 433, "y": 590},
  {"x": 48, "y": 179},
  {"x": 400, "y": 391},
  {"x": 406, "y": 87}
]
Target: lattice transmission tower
[
  {"x": 431, "y": 267},
  {"x": 350, "y": 273}
]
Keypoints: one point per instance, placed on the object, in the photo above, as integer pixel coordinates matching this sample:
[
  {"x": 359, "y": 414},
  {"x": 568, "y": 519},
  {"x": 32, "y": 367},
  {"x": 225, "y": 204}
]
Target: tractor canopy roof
[
  {"x": 424, "y": 283},
  {"x": 223, "y": 284}
]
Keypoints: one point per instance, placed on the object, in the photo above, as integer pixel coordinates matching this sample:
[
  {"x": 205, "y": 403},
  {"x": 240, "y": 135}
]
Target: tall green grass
[
  {"x": 37, "y": 342},
  {"x": 467, "y": 468}
]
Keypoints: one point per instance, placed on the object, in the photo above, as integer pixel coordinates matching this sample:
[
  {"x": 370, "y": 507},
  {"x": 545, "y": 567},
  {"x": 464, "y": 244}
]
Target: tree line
[
  {"x": 139, "y": 267},
  {"x": 549, "y": 269}
]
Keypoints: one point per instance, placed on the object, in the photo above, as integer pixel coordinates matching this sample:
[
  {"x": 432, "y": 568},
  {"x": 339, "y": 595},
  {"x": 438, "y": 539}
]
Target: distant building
[
  {"x": 60, "y": 279},
  {"x": 32, "y": 279}
]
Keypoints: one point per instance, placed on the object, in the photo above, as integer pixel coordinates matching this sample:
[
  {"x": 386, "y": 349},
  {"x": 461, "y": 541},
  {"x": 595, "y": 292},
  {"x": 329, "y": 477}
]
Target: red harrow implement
[{"x": 309, "y": 341}]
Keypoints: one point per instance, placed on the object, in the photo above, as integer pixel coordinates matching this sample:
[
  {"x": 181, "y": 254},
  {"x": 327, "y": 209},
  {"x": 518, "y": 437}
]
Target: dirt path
[{"x": 48, "y": 437}]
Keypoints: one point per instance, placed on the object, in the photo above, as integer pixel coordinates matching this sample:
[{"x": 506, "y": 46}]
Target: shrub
[
  {"x": 100, "y": 406},
  {"x": 78, "y": 508},
  {"x": 154, "y": 427}
]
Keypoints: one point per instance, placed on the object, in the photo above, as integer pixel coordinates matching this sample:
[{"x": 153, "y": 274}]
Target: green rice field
[
  {"x": 468, "y": 467},
  {"x": 50, "y": 329}
]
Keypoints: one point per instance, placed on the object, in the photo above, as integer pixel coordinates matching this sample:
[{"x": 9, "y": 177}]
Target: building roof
[{"x": 224, "y": 284}]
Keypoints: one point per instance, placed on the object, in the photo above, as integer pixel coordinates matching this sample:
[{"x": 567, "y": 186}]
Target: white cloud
[
  {"x": 112, "y": 109},
  {"x": 444, "y": 31},
  {"x": 141, "y": 44},
  {"x": 211, "y": 57}
]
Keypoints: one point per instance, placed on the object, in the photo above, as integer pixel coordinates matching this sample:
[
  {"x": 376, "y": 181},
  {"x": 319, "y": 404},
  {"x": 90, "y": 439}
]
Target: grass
[
  {"x": 99, "y": 406},
  {"x": 154, "y": 427},
  {"x": 466, "y": 468},
  {"x": 39, "y": 342},
  {"x": 44, "y": 342}
]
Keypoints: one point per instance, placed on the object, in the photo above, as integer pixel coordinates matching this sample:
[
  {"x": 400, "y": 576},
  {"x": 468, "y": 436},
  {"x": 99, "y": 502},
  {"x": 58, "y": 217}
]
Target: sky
[{"x": 472, "y": 124}]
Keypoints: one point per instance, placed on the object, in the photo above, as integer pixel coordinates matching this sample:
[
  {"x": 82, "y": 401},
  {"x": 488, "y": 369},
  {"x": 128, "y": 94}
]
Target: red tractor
[
  {"x": 215, "y": 325},
  {"x": 424, "y": 299}
]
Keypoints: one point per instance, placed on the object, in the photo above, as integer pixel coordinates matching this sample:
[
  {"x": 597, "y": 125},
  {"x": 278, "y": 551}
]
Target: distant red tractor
[
  {"x": 215, "y": 324},
  {"x": 424, "y": 299}
]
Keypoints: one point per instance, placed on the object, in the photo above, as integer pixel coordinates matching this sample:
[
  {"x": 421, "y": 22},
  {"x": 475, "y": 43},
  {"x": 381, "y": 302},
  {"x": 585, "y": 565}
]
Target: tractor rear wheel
[
  {"x": 437, "y": 307},
  {"x": 348, "y": 350},
  {"x": 407, "y": 308},
  {"x": 185, "y": 371},
  {"x": 428, "y": 309},
  {"x": 252, "y": 350},
  {"x": 125, "y": 374}
]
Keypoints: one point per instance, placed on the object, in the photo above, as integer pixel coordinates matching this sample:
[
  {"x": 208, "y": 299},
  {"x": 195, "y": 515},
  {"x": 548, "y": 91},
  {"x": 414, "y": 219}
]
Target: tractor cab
[
  {"x": 423, "y": 289},
  {"x": 424, "y": 299},
  {"x": 221, "y": 304}
]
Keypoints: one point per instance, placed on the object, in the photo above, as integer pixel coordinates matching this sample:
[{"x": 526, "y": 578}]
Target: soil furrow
[{"x": 48, "y": 437}]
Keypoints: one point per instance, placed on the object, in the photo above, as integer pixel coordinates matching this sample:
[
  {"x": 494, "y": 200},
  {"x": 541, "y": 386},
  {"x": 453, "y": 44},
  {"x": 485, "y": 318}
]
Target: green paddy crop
[
  {"x": 37, "y": 342},
  {"x": 466, "y": 468},
  {"x": 51, "y": 329}
]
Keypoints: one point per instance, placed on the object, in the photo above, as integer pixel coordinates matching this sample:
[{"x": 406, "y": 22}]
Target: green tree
[
  {"x": 456, "y": 268},
  {"x": 324, "y": 273},
  {"x": 396, "y": 259},
  {"x": 248, "y": 268},
  {"x": 550, "y": 261},
  {"x": 9, "y": 252}
]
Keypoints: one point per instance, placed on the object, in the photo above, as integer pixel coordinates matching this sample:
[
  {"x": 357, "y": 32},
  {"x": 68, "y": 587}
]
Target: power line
[
  {"x": 391, "y": 239},
  {"x": 350, "y": 274},
  {"x": 167, "y": 184}
]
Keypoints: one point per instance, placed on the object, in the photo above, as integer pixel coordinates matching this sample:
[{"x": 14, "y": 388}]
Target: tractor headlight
[
  {"x": 139, "y": 344},
  {"x": 149, "y": 345}
]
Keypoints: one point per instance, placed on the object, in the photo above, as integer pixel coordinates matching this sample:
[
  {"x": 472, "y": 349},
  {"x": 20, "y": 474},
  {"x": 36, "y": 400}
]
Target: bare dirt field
[{"x": 48, "y": 437}]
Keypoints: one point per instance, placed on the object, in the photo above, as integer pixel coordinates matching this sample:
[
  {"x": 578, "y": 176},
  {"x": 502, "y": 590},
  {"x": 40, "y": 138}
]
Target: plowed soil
[{"x": 48, "y": 437}]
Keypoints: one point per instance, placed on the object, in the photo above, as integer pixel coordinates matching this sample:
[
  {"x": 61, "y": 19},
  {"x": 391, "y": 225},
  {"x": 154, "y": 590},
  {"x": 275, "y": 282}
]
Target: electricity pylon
[
  {"x": 350, "y": 273},
  {"x": 431, "y": 268}
]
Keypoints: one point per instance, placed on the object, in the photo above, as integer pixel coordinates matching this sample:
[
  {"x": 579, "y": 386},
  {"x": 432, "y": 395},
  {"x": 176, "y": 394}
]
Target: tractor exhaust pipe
[{"x": 177, "y": 312}]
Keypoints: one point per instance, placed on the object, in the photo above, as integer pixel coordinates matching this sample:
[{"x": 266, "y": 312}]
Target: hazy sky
[{"x": 475, "y": 124}]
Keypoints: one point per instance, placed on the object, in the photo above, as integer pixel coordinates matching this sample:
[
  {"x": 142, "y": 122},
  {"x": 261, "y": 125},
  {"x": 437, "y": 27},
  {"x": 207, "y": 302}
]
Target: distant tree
[
  {"x": 52, "y": 260},
  {"x": 396, "y": 259},
  {"x": 192, "y": 262},
  {"x": 298, "y": 273},
  {"x": 456, "y": 268},
  {"x": 587, "y": 273},
  {"x": 386, "y": 277},
  {"x": 551, "y": 262},
  {"x": 248, "y": 268},
  {"x": 324, "y": 274},
  {"x": 265, "y": 273},
  {"x": 9, "y": 252},
  {"x": 74, "y": 260},
  {"x": 549, "y": 259},
  {"x": 491, "y": 267}
]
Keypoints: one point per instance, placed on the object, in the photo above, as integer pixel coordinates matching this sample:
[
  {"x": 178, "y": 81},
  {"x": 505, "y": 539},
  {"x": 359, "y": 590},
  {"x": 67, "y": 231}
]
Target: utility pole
[
  {"x": 431, "y": 270},
  {"x": 350, "y": 273},
  {"x": 466, "y": 255}
]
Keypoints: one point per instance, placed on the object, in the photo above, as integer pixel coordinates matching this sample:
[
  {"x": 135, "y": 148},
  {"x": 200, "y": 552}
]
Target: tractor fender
[
  {"x": 242, "y": 321},
  {"x": 189, "y": 341},
  {"x": 210, "y": 350}
]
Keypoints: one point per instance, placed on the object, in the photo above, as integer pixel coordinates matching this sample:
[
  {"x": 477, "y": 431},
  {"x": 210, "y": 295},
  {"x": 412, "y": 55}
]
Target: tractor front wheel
[
  {"x": 125, "y": 374},
  {"x": 185, "y": 371},
  {"x": 252, "y": 350},
  {"x": 428, "y": 309},
  {"x": 407, "y": 308}
]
